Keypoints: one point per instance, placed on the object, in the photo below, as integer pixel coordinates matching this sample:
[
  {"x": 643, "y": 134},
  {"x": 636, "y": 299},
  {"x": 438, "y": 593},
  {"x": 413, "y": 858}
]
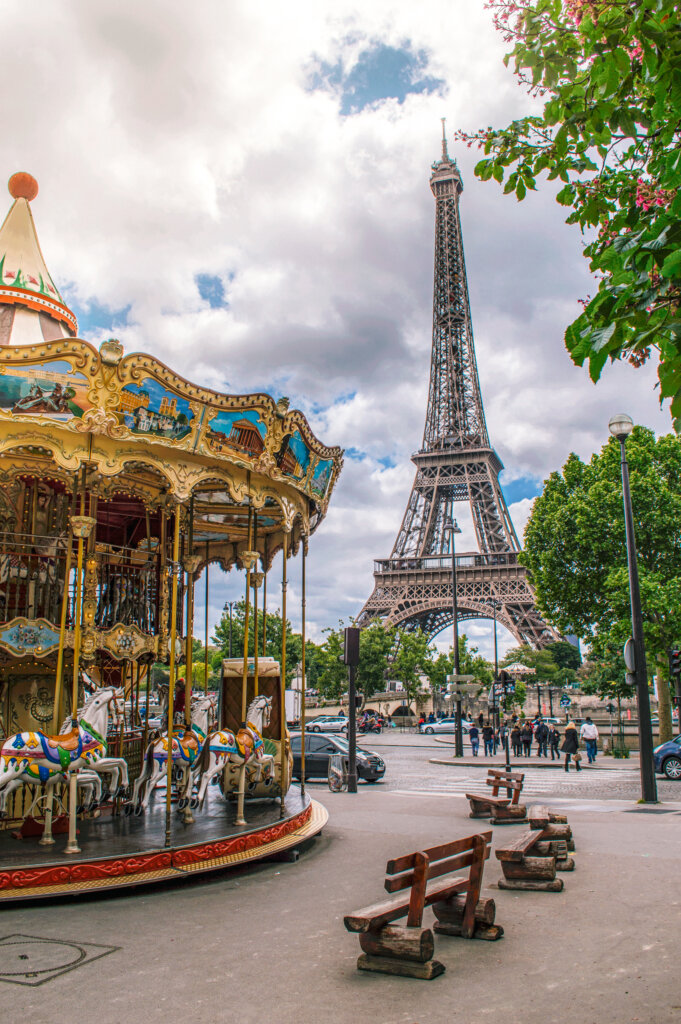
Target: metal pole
[
  {"x": 244, "y": 675},
  {"x": 231, "y": 603},
  {"x": 645, "y": 734},
  {"x": 284, "y": 584},
  {"x": 171, "y": 672},
  {"x": 496, "y": 653},
  {"x": 352, "y": 732},
  {"x": 56, "y": 713},
  {"x": 205, "y": 624},
  {"x": 302, "y": 666},
  {"x": 458, "y": 744}
]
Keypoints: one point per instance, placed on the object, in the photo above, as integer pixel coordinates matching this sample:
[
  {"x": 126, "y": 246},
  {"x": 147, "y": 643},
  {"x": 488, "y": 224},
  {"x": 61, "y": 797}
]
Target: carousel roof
[{"x": 31, "y": 308}]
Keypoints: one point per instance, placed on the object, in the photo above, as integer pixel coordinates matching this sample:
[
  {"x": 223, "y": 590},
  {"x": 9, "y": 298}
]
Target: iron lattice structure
[{"x": 413, "y": 588}]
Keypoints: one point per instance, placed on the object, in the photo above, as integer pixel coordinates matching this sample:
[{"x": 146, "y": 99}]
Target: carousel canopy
[{"x": 31, "y": 308}]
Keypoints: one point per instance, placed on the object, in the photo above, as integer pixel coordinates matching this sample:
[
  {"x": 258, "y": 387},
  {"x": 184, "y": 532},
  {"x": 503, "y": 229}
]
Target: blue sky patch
[
  {"x": 521, "y": 487},
  {"x": 95, "y": 318},
  {"x": 382, "y": 72},
  {"x": 212, "y": 290}
]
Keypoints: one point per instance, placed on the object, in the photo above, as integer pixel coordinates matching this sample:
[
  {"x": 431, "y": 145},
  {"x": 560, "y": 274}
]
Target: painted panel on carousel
[
  {"x": 242, "y": 431},
  {"x": 50, "y": 389},
  {"x": 321, "y": 477},
  {"x": 294, "y": 459},
  {"x": 150, "y": 409},
  {"x": 29, "y": 636}
]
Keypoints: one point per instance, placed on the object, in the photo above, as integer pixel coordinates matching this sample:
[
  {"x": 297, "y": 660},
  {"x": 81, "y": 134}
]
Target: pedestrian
[
  {"x": 589, "y": 733},
  {"x": 516, "y": 742},
  {"x": 474, "y": 737},
  {"x": 488, "y": 738},
  {"x": 481, "y": 720},
  {"x": 570, "y": 746},
  {"x": 541, "y": 734},
  {"x": 526, "y": 738},
  {"x": 554, "y": 740},
  {"x": 503, "y": 733},
  {"x": 431, "y": 718}
]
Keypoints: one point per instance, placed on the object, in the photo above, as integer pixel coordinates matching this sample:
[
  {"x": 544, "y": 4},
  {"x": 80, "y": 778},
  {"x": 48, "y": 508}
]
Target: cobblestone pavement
[{"x": 409, "y": 770}]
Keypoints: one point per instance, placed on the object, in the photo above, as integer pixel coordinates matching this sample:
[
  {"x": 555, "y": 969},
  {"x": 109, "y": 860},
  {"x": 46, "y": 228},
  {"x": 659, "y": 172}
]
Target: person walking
[
  {"x": 554, "y": 740},
  {"x": 541, "y": 734},
  {"x": 526, "y": 738},
  {"x": 516, "y": 742},
  {"x": 488, "y": 738},
  {"x": 589, "y": 733},
  {"x": 570, "y": 746},
  {"x": 474, "y": 737}
]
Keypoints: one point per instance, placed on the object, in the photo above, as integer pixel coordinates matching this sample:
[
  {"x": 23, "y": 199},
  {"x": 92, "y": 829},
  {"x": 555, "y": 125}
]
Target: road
[{"x": 409, "y": 769}]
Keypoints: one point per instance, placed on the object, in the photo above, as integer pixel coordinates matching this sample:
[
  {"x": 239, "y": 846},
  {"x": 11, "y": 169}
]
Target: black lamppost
[
  {"x": 451, "y": 527},
  {"x": 228, "y": 608},
  {"x": 495, "y": 605},
  {"x": 620, "y": 427}
]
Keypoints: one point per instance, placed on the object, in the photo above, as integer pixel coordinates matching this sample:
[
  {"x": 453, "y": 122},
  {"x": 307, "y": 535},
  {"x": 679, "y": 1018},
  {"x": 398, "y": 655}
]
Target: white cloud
[{"x": 171, "y": 140}]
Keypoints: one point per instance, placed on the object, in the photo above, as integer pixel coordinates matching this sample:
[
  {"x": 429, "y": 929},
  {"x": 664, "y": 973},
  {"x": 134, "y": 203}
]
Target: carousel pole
[
  {"x": 255, "y": 582},
  {"x": 205, "y": 653},
  {"x": 171, "y": 673},
  {"x": 282, "y": 681},
  {"x": 264, "y": 600},
  {"x": 191, "y": 563},
  {"x": 247, "y": 559},
  {"x": 81, "y": 526},
  {"x": 59, "y": 675},
  {"x": 302, "y": 664}
]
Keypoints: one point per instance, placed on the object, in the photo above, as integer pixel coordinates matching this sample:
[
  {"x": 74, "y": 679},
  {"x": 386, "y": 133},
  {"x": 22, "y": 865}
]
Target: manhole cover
[
  {"x": 29, "y": 960},
  {"x": 650, "y": 810}
]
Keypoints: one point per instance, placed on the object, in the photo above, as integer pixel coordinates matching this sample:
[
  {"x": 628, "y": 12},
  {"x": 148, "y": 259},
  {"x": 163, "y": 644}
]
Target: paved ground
[{"x": 267, "y": 943}]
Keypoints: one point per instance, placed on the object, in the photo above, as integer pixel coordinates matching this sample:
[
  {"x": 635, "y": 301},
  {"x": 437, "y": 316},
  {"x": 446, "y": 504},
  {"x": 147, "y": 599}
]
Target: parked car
[
  {"x": 443, "y": 725},
  {"x": 318, "y": 749},
  {"x": 667, "y": 758},
  {"x": 327, "y": 723}
]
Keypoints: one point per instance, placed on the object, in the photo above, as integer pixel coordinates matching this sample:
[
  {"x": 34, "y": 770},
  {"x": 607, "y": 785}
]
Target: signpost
[
  {"x": 565, "y": 704},
  {"x": 457, "y": 678}
]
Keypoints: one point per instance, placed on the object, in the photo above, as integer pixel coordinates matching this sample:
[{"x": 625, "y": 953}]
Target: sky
[{"x": 242, "y": 191}]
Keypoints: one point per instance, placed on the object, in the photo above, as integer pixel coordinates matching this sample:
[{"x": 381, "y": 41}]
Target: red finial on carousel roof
[{"x": 22, "y": 186}]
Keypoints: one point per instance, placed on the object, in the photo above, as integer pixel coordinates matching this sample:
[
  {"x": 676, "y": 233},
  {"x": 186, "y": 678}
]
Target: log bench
[
  {"x": 554, "y": 826},
  {"x": 530, "y": 863},
  {"x": 408, "y": 949},
  {"x": 500, "y": 810}
]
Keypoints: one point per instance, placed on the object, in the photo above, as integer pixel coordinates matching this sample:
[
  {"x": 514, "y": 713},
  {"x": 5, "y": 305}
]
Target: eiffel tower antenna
[{"x": 455, "y": 463}]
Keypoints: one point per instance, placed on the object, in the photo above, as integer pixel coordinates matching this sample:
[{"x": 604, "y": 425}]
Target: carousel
[{"x": 121, "y": 483}]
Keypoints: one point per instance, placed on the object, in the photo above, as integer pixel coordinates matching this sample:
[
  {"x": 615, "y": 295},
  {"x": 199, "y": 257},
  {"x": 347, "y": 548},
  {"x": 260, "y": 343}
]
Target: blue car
[{"x": 667, "y": 759}]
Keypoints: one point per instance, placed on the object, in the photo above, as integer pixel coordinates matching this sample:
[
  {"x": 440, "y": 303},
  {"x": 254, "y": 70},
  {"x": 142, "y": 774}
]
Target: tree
[
  {"x": 610, "y": 130},
  {"x": 565, "y": 655},
  {"x": 273, "y": 646},
  {"x": 575, "y": 550},
  {"x": 410, "y": 659}
]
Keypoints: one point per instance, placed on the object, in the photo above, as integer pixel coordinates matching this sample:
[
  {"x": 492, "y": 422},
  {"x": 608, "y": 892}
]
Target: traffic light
[
  {"x": 351, "y": 646},
  {"x": 674, "y": 661}
]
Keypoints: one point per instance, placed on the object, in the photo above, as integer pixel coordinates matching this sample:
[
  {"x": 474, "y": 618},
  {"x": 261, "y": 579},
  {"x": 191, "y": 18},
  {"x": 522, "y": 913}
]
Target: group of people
[{"x": 546, "y": 735}]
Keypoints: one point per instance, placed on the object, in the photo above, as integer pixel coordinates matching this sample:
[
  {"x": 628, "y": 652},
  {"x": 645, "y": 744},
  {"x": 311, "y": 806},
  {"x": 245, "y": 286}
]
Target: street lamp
[
  {"x": 620, "y": 427},
  {"x": 495, "y": 605},
  {"x": 228, "y": 608},
  {"x": 451, "y": 527}
]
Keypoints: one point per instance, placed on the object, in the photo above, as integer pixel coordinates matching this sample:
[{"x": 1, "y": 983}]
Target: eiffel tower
[{"x": 413, "y": 588}]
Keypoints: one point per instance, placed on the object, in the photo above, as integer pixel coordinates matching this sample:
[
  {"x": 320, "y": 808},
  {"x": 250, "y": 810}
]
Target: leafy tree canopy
[
  {"x": 609, "y": 74},
  {"x": 575, "y": 548}
]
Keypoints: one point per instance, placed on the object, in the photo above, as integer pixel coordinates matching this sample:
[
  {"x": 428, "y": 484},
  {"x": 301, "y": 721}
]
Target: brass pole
[
  {"x": 205, "y": 655},
  {"x": 59, "y": 682},
  {"x": 190, "y": 619},
  {"x": 171, "y": 673},
  {"x": 282, "y": 684},
  {"x": 264, "y": 600},
  {"x": 72, "y": 844},
  {"x": 255, "y": 609},
  {"x": 302, "y": 668},
  {"x": 244, "y": 679}
]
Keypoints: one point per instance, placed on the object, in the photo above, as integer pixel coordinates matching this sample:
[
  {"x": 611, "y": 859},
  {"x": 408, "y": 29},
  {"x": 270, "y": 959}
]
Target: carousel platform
[{"x": 119, "y": 852}]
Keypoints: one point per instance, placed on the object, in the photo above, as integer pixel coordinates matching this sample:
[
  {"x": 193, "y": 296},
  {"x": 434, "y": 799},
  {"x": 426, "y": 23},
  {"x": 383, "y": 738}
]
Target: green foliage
[
  {"x": 609, "y": 72},
  {"x": 565, "y": 655},
  {"x": 575, "y": 547},
  {"x": 294, "y": 643}
]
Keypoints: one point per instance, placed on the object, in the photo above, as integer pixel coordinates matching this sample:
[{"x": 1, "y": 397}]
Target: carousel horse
[
  {"x": 186, "y": 746},
  {"x": 245, "y": 749},
  {"x": 114, "y": 772},
  {"x": 30, "y": 758}
]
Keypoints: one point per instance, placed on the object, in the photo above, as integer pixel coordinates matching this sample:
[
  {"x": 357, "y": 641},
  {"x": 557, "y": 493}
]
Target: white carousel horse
[
  {"x": 245, "y": 749},
  {"x": 186, "y": 747},
  {"x": 38, "y": 758},
  {"x": 88, "y": 776}
]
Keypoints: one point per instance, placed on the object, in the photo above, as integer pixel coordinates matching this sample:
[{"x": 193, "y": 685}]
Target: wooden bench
[
  {"x": 501, "y": 810},
  {"x": 530, "y": 863},
  {"x": 554, "y": 826},
  {"x": 408, "y": 950}
]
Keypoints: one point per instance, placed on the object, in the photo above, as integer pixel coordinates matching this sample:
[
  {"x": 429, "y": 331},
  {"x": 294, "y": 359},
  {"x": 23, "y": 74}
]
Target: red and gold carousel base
[{"x": 136, "y": 857}]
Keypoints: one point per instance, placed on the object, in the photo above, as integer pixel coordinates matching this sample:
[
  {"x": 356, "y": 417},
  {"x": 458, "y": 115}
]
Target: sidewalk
[{"x": 267, "y": 944}]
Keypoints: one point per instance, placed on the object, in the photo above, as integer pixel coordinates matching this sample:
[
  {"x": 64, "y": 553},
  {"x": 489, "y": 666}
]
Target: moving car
[
  {"x": 667, "y": 758},
  {"x": 318, "y": 749},
  {"x": 443, "y": 725},
  {"x": 327, "y": 723}
]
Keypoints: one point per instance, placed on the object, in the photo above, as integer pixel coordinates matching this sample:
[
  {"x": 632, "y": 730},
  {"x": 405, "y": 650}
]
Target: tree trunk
[{"x": 664, "y": 702}]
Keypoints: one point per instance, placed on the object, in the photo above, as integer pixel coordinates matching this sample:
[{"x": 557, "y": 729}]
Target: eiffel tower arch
[{"x": 455, "y": 463}]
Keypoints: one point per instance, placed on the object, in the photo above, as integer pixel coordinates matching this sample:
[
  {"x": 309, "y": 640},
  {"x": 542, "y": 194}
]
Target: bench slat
[
  {"x": 375, "y": 916},
  {"x": 499, "y": 801},
  {"x": 443, "y": 867},
  {"x": 511, "y": 775},
  {"x": 502, "y": 783},
  {"x": 516, "y": 850},
  {"x": 434, "y": 853}
]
